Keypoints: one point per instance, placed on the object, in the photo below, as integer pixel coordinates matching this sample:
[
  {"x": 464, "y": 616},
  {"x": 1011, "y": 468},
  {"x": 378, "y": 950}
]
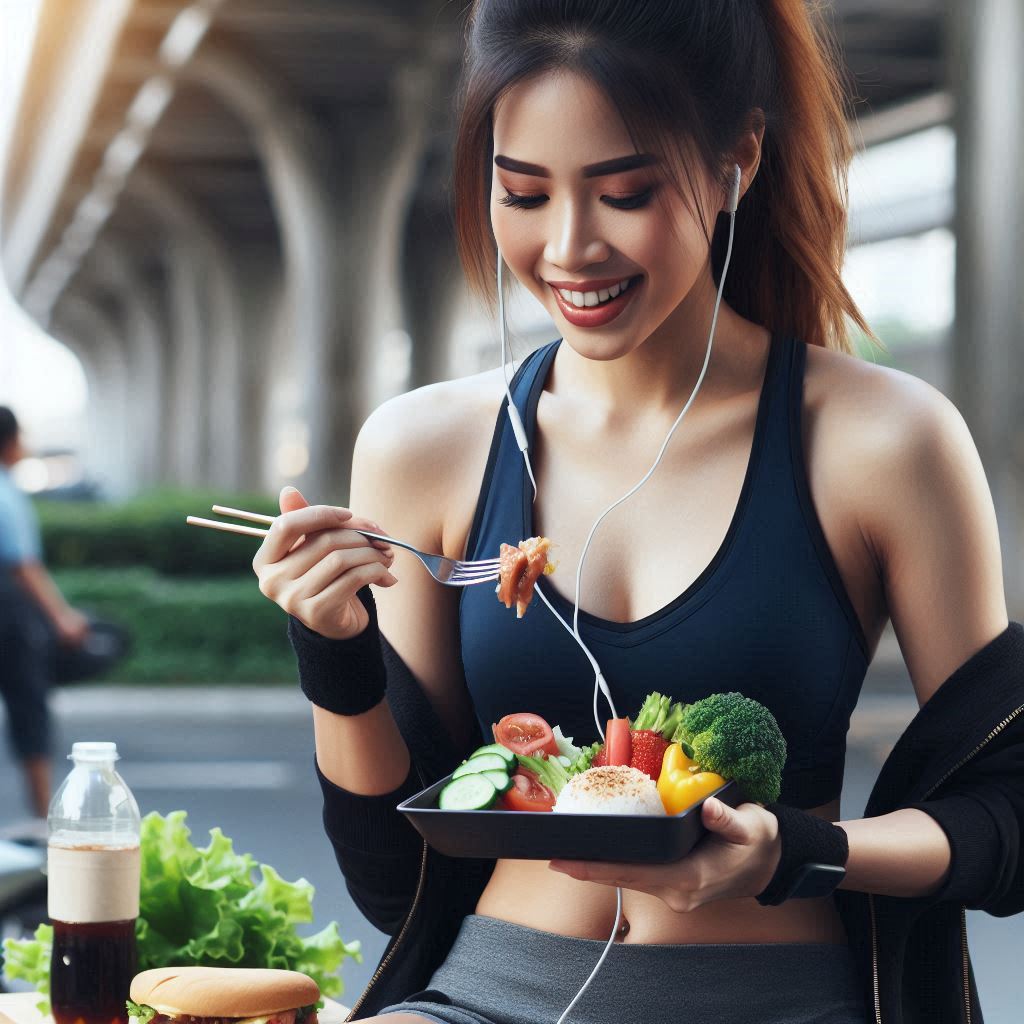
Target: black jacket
[{"x": 961, "y": 760}]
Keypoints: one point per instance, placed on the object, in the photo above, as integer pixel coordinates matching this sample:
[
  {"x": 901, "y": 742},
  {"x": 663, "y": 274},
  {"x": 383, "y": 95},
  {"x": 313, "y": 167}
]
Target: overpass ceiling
[{"x": 333, "y": 56}]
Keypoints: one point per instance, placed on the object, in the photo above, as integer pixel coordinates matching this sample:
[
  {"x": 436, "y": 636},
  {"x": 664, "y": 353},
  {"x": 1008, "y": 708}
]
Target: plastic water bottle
[{"x": 93, "y": 889}]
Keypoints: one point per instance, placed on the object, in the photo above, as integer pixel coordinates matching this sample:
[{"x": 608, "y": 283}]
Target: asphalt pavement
[{"x": 241, "y": 758}]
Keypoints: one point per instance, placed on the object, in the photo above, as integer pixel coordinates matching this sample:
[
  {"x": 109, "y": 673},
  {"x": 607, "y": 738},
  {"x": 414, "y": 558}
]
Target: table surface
[{"x": 20, "y": 1008}]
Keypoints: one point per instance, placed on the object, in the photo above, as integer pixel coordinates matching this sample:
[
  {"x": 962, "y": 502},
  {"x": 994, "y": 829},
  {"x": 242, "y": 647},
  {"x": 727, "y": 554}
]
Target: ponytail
[{"x": 791, "y": 226}]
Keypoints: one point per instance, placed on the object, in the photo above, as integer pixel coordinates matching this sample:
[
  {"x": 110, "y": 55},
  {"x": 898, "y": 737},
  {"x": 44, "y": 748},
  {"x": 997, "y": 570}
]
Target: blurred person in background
[{"x": 29, "y": 599}]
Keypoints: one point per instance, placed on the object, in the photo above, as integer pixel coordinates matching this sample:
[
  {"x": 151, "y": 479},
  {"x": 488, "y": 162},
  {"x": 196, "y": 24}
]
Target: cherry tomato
[
  {"x": 527, "y": 794},
  {"x": 618, "y": 742},
  {"x": 525, "y": 734}
]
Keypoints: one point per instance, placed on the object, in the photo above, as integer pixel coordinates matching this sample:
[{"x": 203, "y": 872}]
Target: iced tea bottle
[{"x": 93, "y": 889}]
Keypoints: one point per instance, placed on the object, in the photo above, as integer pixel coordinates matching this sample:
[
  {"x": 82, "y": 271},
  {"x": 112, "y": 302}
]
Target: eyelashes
[{"x": 633, "y": 202}]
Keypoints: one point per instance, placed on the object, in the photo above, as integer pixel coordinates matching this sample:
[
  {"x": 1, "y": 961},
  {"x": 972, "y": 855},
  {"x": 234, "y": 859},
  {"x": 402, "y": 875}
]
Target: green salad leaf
[
  {"x": 30, "y": 961},
  {"x": 202, "y": 906},
  {"x": 139, "y": 1012}
]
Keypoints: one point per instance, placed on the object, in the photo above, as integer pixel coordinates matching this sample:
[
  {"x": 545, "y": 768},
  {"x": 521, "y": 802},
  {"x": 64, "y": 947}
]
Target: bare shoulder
[
  {"x": 424, "y": 451},
  {"x": 881, "y": 423},
  {"x": 900, "y": 458}
]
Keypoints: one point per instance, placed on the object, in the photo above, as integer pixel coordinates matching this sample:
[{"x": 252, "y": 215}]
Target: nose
[{"x": 574, "y": 242}]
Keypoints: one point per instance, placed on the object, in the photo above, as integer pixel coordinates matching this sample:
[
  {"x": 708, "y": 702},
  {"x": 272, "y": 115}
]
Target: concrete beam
[{"x": 87, "y": 35}]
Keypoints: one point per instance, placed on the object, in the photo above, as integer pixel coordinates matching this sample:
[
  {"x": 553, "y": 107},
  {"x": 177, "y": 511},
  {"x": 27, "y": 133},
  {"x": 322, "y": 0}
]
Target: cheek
[{"x": 520, "y": 242}]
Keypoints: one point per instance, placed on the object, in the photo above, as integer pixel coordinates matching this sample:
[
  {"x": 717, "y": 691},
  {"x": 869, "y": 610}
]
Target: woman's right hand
[{"x": 312, "y": 562}]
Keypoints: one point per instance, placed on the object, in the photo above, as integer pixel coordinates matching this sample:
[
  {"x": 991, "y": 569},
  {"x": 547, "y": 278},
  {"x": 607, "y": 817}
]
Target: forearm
[
  {"x": 904, "y": 853},
  {"x": 39, "y": 585},
  {"x": 365, "y": 753}
]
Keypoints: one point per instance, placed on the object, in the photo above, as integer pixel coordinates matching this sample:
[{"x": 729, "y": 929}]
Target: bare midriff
[{"x": 526, "y": 892}]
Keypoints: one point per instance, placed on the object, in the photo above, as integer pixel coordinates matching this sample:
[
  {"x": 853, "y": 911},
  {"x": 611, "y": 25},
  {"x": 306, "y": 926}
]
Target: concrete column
[
  {"x": 141, "y": 321},
  {"x": 985, "y": 40},
  {"x": 225, "y": 423},
  {"x": 431, "y": 276},
  {"x": 108, "y": 454},
  {"x": 331, "y": 185},
  {"x": 188, "y": 312}
]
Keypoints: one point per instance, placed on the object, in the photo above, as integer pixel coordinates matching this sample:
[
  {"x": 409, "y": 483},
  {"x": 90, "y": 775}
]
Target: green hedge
[
  {"x": 149, "y": 531},
  {"x": 187, "y": 631}
]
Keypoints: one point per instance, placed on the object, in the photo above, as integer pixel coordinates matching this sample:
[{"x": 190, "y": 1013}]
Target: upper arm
[
  {"x": 933, "y": 526},
  {"x": 402, "y": 479}
]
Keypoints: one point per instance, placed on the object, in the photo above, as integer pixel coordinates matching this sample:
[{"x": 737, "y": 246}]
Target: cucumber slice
[
  {"x": 468, "y": 793},
  {"x": 502, "y": 782},
  {"x": 497, "y": 748},
  {"x": 481, "y": 763}
]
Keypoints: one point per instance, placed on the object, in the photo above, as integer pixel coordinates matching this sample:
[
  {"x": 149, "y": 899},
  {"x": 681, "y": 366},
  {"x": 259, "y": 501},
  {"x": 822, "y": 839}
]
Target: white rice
[{"x": 610, "y": 790}]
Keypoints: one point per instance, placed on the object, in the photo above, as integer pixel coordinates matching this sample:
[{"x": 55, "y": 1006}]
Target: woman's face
[{"x": 568, "y": 226}]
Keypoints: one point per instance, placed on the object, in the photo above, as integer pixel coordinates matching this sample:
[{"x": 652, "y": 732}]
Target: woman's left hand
[{"x": 736, "y": 858}]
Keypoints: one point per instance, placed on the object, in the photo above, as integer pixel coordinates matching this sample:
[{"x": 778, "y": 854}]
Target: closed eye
[{"x": 633, "y": 202}]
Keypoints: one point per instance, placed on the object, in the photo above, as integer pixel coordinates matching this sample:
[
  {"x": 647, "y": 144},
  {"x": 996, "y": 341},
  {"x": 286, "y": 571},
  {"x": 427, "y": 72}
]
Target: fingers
[
  {"x": 291, "y": 499},
  {"x": 333, "y": 565},
  {"x": 290, "y": 527},
  {"x": 325, "y": 611}
]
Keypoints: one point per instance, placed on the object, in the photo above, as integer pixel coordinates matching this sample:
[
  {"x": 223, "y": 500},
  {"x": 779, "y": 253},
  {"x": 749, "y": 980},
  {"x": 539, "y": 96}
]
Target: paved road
[{"x": 241, "y": 758}]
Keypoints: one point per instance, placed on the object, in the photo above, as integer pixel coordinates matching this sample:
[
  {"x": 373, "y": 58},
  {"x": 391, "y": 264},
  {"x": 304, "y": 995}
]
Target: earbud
[{"x": 734, "y": 190}]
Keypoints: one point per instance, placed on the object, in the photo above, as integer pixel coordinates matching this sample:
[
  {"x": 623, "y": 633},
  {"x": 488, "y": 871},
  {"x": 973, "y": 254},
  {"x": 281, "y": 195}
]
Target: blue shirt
[{"x": 19, "y": 527}]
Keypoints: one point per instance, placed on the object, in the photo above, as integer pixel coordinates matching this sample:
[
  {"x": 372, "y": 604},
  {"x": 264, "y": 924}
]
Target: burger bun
[{"x": 223, "y": 991}]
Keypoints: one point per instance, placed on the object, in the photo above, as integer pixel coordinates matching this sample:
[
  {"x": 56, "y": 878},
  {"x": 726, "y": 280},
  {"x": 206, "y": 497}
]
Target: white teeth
[{"x": 584, "y": 300}]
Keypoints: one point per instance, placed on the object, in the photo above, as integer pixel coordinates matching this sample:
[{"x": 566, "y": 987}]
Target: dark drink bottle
[{"x": 93, "y": 889}]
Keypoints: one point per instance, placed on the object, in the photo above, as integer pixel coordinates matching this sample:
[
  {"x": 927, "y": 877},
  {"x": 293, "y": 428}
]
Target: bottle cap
[{"x": 94, "y": 751}]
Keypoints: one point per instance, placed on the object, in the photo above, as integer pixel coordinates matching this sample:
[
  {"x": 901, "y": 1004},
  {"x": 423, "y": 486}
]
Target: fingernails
[
  {"x": 288, "y": 489},
  {"x": 392, "y": 580}
]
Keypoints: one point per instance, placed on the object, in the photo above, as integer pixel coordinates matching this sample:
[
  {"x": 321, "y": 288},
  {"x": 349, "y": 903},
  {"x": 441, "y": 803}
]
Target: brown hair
[{"x": 699, "y": 72}]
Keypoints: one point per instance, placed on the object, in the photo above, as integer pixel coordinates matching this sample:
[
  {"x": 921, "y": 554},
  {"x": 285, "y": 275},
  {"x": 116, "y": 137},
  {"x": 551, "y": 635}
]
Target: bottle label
[{"x": 92, "y": 883}]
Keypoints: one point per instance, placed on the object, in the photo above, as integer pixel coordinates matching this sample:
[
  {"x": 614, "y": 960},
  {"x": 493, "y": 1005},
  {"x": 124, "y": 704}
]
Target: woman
[{"x": 806, "y": 499}]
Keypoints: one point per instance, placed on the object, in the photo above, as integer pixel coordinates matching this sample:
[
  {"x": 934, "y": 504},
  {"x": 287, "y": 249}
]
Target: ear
[{"x": 747, "y": 151}]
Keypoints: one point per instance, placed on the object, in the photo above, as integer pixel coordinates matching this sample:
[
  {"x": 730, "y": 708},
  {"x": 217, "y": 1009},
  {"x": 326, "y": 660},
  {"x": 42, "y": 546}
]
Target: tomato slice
[
  {"x": 525, "y": 734},
  {"x": 527, "y": 794},
  {"x": 618, "y": 741}
]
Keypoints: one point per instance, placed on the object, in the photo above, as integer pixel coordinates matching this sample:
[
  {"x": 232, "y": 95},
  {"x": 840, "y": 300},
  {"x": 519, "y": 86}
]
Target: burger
[{"x": 239, "y": 995}]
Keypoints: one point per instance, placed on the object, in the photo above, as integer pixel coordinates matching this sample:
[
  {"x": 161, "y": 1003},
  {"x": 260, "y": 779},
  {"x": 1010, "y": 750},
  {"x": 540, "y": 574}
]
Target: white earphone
[{"x": 732, "y": 204}]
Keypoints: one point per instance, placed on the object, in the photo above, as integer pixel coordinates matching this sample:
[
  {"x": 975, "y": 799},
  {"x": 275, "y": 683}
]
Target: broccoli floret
[
  {"x": 584, "y": 760},
  {"x": 739, "y": 739},
  {"x": 660, "y": 714}
]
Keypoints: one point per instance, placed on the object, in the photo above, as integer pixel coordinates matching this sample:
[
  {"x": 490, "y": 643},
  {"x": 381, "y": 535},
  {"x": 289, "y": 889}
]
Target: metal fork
[{"x": 452, "y": 572}]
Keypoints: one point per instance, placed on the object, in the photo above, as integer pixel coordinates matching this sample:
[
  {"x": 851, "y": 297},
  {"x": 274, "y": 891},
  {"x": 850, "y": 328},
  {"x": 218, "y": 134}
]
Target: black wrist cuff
[
  {"x": 805, "y": 839},
  {"x": 344, "y": 676}
]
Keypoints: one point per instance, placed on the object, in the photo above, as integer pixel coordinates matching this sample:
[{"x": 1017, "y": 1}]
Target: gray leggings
[{"x": 502, "y": 973}]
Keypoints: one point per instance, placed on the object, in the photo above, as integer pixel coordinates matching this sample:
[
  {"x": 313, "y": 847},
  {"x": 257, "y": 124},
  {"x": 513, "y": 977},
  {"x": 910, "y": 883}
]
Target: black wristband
[
  {"x": 344, "y": 676},
  {"x": 805, "y": 839}
]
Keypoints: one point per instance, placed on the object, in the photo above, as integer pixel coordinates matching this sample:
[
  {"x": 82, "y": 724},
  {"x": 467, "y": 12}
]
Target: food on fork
[
  {"x": 225, "y": 995},
  {"x": 520, "y": 568}
]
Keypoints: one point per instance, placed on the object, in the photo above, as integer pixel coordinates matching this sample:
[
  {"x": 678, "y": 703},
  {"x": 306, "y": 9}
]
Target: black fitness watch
[{"x": 809, "y": 881}]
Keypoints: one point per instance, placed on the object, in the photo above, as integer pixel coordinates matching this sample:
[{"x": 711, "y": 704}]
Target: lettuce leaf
[
  {"x": 203, "y": 906},
  {"x": 140, "y": 1012},
  {"x": 30, "y": 961}
]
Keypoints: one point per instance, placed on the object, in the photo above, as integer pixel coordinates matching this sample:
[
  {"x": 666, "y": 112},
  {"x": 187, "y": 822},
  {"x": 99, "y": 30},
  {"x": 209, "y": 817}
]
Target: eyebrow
[{"x": 615, "y": 166}]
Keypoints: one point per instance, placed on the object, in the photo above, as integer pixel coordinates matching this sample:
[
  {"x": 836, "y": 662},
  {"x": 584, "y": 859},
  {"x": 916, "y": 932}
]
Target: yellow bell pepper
[{"x": 681, "y": 782}]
